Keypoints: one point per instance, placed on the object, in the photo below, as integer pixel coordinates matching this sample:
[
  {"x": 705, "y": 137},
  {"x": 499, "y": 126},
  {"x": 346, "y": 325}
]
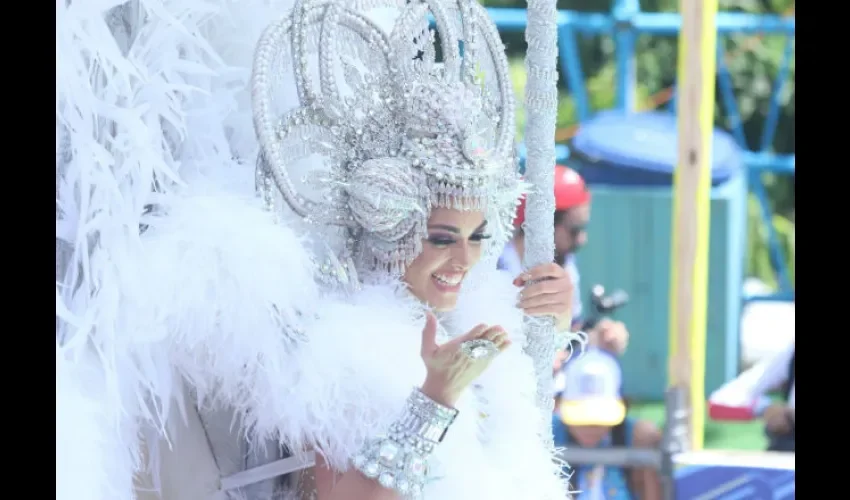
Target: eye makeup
[{"x": 441, "y": 240}]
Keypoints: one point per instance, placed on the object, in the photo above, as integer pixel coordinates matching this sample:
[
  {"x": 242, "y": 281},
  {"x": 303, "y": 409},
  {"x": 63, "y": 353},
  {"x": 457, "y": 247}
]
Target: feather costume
[{"x": 197, "y": 336}]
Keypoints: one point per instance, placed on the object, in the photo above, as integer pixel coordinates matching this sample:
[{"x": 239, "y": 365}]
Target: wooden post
[{"x": 691, "y": 207}]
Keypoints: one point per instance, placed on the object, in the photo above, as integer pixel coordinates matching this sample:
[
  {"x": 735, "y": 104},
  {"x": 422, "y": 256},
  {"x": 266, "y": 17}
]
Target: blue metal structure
[{"x": 625, "y": 23}]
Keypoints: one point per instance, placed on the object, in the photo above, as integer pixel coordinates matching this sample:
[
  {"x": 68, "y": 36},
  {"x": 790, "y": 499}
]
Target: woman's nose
[{"x": 462, "y": 256}]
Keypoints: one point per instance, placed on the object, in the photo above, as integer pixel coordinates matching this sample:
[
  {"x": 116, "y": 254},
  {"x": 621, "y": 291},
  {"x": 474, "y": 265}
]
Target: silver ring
[{"x": 477, "y": 349}]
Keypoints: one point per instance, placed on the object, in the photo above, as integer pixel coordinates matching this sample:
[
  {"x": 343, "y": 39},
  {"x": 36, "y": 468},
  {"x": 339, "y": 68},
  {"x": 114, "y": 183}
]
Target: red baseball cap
[{"x": 570, "y": 192}]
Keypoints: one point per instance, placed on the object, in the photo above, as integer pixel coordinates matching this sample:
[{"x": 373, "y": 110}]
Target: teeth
[{"x": 448, "y": 281}]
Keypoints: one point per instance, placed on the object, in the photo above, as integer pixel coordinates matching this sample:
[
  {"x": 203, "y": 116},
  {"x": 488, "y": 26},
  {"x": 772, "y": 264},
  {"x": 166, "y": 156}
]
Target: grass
[{"x": 718, "y": 436}]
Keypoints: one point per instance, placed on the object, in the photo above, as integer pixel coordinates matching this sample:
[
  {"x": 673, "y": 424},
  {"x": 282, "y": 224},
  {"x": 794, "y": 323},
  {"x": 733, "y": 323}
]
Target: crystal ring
[{"x": 479, "y": 349}]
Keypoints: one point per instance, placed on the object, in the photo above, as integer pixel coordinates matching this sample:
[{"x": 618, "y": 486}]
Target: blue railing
[{"x": 625, "y": 23}]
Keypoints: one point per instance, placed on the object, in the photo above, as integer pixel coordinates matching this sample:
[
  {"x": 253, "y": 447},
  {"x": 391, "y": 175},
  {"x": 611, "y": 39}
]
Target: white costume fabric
[{"x": 198, "y": 334}]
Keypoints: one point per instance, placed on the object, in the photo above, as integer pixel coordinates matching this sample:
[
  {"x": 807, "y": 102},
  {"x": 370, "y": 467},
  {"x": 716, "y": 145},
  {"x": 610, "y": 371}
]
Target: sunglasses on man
[{"x": 575, "y": 229}]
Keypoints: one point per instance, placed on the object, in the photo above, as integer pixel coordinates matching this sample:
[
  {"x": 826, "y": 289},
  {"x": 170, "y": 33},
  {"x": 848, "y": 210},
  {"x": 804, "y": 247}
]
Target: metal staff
[{"x": 541, "y": 105}]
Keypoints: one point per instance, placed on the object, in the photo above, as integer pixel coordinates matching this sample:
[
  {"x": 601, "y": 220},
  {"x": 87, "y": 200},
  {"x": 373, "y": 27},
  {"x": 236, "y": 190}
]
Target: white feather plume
[
  {"x": 324, "y": 372},
  {"x": 227, "y": 287},
  {"x": 91, "y": 455},
  {"x": 143, "y": 100}
]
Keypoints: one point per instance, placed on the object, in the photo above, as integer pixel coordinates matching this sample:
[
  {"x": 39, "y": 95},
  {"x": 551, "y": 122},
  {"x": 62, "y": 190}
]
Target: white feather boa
[
  {"x": 222, "y": 268},
  {"x": 221, "y": 285}
]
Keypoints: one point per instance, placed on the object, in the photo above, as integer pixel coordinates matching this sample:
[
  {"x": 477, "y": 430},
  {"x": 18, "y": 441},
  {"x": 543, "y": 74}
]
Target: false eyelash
[
  {"x": 440, "y": 241},
  {"x": 445, "y": 242}
]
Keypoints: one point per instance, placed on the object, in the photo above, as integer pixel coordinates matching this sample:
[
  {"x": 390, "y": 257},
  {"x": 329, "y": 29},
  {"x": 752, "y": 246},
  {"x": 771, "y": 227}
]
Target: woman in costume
[{"x": 352, "y": 315}]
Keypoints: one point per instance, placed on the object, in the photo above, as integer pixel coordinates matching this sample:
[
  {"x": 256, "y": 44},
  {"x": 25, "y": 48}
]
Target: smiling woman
[{"x": 452, "y": 247}]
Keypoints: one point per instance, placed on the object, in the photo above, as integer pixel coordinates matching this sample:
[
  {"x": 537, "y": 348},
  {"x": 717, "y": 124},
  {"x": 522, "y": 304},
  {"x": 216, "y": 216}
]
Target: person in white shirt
[{"x": 748, "y": 396}]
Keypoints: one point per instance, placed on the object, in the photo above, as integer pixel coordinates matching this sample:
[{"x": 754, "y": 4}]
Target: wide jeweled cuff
[{"x": 399, "y": 460}]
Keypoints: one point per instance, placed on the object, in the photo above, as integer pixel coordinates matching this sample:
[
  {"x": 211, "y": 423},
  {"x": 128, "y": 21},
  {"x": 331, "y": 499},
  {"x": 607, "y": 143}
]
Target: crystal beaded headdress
[{"x": 386, "y": 130}]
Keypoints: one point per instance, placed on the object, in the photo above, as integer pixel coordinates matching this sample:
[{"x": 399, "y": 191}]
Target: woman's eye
[
  {"x": 440, "y": 242},
  {"x": 478, "y": 238}
]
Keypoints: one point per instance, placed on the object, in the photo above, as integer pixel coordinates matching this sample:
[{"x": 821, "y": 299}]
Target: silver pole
[{"x": 541, "y": 105}]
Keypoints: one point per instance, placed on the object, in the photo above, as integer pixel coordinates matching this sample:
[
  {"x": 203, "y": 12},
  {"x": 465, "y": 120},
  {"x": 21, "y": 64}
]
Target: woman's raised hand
[
  {"x": 550, "y": 294},
  {"x": 450, "y": 369}
]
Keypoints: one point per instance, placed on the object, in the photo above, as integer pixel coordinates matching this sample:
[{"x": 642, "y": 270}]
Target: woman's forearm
[
  {"x": 354, "y": 486},
  {"x": 351, "y": 485}
]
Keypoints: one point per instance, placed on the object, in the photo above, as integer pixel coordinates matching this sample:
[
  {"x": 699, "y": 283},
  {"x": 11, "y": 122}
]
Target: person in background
[
  {"x": 591, "y": 413},
  {"x": 780, "y": 417},
  {"x": 572, "y": 215}
]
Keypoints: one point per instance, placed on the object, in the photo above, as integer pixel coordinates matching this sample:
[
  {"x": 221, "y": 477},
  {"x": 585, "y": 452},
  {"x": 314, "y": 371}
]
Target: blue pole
[
  {"x": 571, "y": 65},
  {"x": 625, "y": 36}
]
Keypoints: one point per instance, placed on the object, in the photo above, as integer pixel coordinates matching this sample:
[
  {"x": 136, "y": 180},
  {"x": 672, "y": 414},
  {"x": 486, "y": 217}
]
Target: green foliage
[
  {"x": 601, "y": 90},
  {"x": 758, "y": 256}
]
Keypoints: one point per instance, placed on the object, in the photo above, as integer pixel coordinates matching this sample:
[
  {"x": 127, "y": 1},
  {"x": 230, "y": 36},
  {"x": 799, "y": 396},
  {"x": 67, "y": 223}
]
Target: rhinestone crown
[{"x": 385, "y": 129}]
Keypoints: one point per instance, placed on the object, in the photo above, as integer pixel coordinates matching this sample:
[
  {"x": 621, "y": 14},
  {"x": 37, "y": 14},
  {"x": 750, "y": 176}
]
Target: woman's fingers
[
  {"x": 506, "y": 342},
  {"x": 543, "y": 271},
  {"x": 548, "y": 287},
  {"x": 493, "y": 333},
  {"x": 476, "y": 332},
  {"x": 499, "y": 337},
  {"x": 429, "y": 334},
  {"x": 472, "y": 334},
  {"x": 502, "y": 341},
  {"x": 522, "y": 279},
  {"x": 541, "y": 301}
]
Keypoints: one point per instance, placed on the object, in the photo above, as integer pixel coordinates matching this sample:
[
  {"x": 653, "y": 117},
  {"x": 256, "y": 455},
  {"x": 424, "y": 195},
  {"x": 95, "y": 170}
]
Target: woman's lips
[{"x": 448, "y": 282}]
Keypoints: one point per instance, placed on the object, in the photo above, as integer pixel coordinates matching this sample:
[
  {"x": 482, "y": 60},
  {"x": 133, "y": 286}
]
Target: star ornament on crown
[{"x": 397, "y": 131}]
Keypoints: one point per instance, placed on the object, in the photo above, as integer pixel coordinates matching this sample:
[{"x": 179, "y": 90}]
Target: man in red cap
[{"x": 572, "y": 214}]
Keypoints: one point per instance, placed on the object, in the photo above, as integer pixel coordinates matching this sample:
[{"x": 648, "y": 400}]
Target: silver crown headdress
[{"x": 397, "y": 132}]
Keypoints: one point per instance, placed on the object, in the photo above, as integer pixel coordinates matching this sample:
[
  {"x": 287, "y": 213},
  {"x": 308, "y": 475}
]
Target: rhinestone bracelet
[{"x": 399, "y": 460}]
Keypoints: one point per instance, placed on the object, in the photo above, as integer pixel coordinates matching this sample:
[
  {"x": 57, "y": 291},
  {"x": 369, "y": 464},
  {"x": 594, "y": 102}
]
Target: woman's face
[{"x": 452, "y": 247}]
